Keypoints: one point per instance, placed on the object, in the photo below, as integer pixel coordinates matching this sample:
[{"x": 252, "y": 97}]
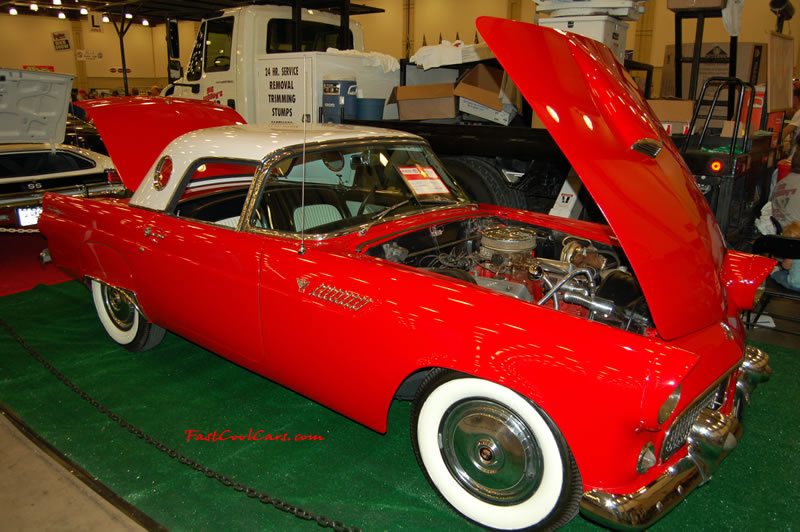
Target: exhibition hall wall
[{"x": 94, "y": 57}]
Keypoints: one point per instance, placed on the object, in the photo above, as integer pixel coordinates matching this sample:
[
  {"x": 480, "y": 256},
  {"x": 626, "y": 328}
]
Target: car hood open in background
[
  {"x": 33, "y": 106},
  {"x": 599, "y": 119},
  {"x": 136, "y": 129}
]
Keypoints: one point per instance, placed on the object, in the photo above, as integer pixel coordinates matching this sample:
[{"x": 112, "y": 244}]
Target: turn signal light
[{"x": 647, "y": 458}]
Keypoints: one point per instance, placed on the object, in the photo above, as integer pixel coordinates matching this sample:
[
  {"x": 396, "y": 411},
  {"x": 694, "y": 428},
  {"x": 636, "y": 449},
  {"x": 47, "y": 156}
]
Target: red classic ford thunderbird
[{"x": 554, "y": 364}]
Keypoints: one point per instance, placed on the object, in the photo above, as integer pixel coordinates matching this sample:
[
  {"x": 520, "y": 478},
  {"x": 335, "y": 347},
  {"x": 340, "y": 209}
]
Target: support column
[
  {"x": 81, "y": 78},
  {"x": 408, "y": 37},
  {"x": 643, "y": 40}
]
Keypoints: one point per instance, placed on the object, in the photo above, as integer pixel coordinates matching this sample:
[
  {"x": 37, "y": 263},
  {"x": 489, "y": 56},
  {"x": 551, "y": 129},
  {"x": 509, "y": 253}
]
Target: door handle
[{"x": 149, "y": 232}]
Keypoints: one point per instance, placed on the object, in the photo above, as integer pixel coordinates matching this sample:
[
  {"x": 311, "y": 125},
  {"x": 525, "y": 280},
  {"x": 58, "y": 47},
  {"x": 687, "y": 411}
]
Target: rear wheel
[
  {"x": 121, "y": 320},
  {"x": 494, "y": 456}
]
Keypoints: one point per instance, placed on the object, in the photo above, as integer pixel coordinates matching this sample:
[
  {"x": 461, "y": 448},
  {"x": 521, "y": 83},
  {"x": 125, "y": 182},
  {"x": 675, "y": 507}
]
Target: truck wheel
[
  {"x": 483, "y": 182},
  {"x": 122, "y": 321},
  {"x": 491, "y": 454}
]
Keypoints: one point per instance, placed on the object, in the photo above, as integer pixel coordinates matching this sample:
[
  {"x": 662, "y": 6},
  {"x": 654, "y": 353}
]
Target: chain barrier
[
  {"x": 264, "y": 498},
  {"x": 15, "y": 230}
]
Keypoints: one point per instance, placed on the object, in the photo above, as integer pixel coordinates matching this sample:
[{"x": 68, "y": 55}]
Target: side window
[
  {"x": 38, "y": 163},
  {"x": 194, "y": 69},
  {"x": 219, "y": 40},
  {"x": 314, "y": 36},
  {"x": 216, "y": 191}
]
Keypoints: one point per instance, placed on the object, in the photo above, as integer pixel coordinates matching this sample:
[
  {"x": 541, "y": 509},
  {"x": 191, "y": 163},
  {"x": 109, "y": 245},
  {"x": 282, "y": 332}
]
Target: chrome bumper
[
  {"x": 31, "y": 199},
  {"x": 711, "y": 438}
]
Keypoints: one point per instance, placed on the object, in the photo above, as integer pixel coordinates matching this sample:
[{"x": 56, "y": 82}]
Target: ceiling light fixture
[
  {"x": 128, "y": 15},
  {"x": 34, "y": 7},
  {"x": 12, "y": 11},
  {"x": 56, "y": 2},
  {"x": 144, "y": 22},
  {"x": 84, "y": 11},
  {"x": 106, "y": 19},
  {"x": 61, "y": 15}
]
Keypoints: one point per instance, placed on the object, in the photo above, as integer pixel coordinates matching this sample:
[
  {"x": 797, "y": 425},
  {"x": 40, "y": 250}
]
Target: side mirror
[{"x": 174, "y": 70}]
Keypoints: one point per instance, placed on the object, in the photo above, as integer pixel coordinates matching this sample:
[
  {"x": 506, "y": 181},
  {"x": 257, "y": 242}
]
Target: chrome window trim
[{"x": 186, "y": 177}]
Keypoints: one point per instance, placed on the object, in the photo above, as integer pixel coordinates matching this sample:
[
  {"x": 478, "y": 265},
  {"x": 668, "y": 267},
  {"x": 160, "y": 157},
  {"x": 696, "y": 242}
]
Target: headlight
[{"x": 669, "y": 405}]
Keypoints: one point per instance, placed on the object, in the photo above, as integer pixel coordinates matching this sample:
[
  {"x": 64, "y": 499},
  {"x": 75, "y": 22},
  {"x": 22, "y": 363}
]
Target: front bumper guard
[{"x": 712, "y": 436}]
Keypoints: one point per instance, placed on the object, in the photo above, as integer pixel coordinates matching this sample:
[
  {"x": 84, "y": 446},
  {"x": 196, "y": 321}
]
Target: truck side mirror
[{"x": 174, "y": 70}]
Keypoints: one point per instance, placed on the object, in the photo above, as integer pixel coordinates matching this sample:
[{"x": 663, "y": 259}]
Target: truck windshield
[
  {"x": 314, "y": 36},
  {"x": 348, "y": 187}
]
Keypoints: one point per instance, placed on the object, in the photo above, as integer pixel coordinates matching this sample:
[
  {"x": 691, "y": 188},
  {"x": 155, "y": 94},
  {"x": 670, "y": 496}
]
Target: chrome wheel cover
[
  {"x": 118, "y": 308},
  {"x": 490, "y": 451}
]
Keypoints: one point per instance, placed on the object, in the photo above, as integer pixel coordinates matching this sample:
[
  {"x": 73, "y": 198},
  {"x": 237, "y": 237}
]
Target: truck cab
[{"x": 246, "y": 59}]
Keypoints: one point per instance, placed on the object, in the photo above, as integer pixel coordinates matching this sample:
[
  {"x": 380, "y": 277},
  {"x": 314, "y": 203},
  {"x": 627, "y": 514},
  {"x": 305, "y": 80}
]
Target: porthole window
[{"x": 163, "y": 173}]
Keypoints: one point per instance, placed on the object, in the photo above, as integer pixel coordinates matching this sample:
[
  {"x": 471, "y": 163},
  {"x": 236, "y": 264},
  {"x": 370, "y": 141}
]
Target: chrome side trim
[
  {"x": 345, "y": 298},
  {"x": 26, "y": 199}
]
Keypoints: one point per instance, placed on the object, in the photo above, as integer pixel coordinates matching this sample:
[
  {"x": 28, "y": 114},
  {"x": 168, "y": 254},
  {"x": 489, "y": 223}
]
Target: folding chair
[{"x": 786, "y": 248}]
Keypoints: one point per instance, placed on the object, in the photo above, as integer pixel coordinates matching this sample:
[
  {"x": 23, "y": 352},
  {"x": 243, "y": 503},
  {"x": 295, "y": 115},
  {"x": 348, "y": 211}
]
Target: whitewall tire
[
  {"x": 492, "y": 454},
  {"x": 122, "y": 321}
]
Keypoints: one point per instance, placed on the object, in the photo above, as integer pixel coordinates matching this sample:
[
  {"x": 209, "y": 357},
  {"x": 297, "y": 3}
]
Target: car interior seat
[{"x": 316, "y": 215}]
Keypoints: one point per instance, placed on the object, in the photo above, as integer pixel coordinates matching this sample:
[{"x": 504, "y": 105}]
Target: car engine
[{"x": 531, "y": 263}]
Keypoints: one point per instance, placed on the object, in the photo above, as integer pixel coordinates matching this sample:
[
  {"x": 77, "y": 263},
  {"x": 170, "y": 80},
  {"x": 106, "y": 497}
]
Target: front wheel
[
  {"x": 122, "y": 321},
  {"x": 493, "y": 455}
]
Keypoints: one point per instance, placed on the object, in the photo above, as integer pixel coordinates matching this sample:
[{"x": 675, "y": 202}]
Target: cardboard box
[
  {"x": 751, "y": 66},
  {"x": 421, "y": 102},
  {"x": 481, "y": 84},
  {"x": 682, "y": 5},
  {"x": 672, "y": 110},
  {"x": 608, "y": 30},
  {"x": 480, "y": 92},
  {"x": 502, "y": 117}
]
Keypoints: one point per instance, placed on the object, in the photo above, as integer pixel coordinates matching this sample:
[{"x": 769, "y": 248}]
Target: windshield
[{"x": 350, "y": 186}]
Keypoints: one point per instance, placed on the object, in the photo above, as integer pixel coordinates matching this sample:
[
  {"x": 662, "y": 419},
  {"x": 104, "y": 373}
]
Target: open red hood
[
  {"x": 136, "y": 130},
  {"x": 596, "y": 114}
]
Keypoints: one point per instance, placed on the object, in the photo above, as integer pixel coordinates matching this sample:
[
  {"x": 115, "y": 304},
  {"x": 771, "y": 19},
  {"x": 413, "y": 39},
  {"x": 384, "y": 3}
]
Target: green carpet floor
[{"x": 354, "y": 475}]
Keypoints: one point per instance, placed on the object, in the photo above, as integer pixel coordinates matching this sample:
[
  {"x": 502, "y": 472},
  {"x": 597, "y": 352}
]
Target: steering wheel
[{"x": 367, "y": 199}]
